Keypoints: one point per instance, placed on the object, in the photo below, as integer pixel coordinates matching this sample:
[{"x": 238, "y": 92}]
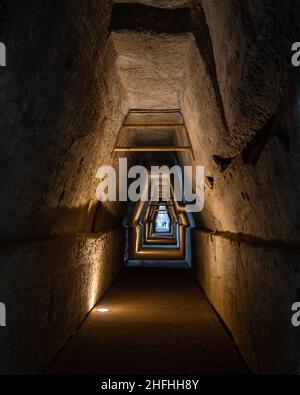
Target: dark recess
[
  {"x": 4, "y": 17},
  {"x": 210, "y": 181},
  {"x": 271, "y": 129},
  {"x": 142, "y": 18},
  {"x": 222, "y": 163}
]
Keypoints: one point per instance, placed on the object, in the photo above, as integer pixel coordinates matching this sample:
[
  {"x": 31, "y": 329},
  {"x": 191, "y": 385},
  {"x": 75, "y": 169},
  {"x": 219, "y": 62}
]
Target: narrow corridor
[
  {"x": 150, "y": 156},
  {"x": 159, "y": 322}
]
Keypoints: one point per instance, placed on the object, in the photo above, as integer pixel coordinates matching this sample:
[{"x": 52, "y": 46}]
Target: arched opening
[{"x": 162, "y": 221}]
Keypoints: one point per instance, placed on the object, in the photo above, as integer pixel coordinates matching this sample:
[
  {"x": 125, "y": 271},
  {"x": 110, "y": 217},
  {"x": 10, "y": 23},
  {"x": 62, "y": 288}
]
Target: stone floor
[{"x": 159, "y": 322}]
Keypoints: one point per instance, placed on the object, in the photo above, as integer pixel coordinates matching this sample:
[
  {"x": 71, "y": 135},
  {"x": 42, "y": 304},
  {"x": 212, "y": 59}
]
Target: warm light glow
[{"x": 103, "y": 310}]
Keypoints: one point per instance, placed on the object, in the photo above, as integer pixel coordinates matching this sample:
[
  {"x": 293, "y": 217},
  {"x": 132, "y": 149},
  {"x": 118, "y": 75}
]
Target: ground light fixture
[{"x": 103, "y": 310}]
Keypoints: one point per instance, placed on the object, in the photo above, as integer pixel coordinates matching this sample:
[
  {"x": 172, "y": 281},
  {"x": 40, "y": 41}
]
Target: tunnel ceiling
[{"x": 151, "y": 68}]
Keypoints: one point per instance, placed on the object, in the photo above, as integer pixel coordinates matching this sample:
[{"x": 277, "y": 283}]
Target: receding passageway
[{"x": 159, "y": 322}]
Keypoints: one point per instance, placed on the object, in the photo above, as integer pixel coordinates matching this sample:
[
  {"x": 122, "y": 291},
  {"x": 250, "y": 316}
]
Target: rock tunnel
[{"x": 77, "y": 74}]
